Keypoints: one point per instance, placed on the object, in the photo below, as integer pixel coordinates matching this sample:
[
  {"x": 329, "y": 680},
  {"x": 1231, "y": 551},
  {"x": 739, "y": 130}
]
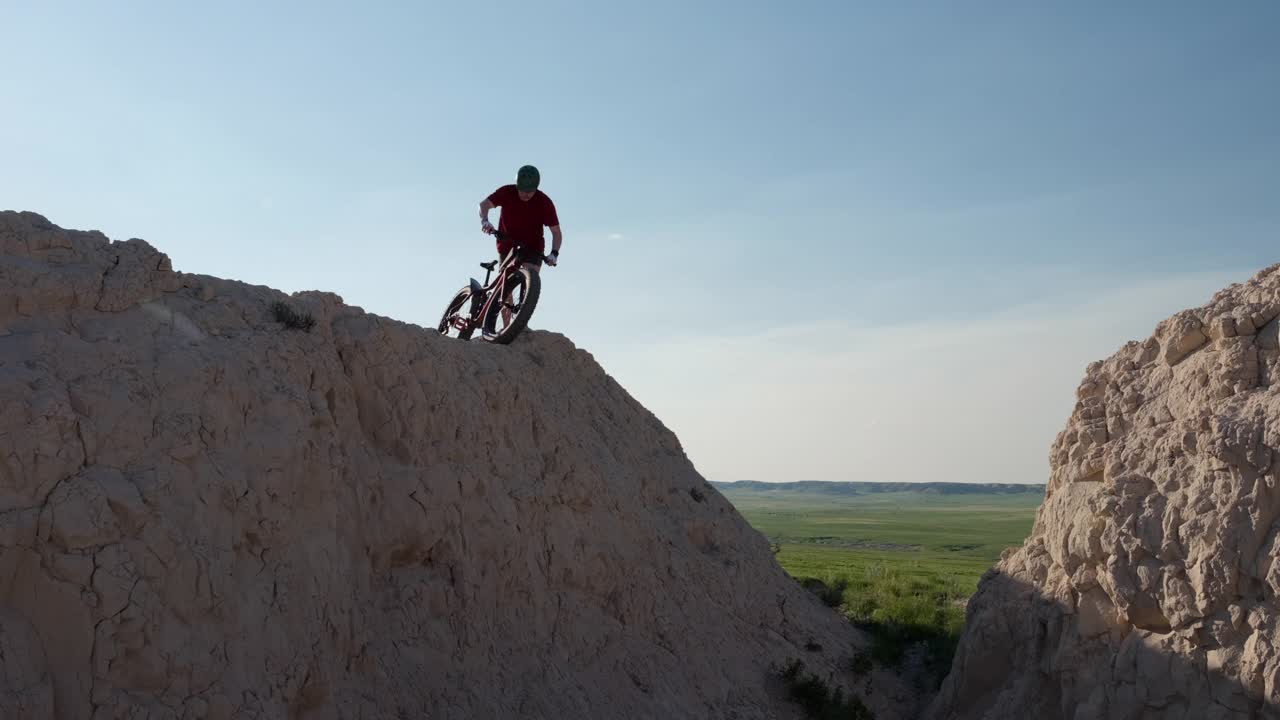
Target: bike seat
[{"x": 489, "y": 265}]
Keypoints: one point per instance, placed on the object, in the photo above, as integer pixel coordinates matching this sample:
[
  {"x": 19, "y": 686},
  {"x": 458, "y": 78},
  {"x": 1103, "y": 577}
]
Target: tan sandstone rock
[
  {"x": 1163, "y": 513},
  {"x": 204, "y": 514}
]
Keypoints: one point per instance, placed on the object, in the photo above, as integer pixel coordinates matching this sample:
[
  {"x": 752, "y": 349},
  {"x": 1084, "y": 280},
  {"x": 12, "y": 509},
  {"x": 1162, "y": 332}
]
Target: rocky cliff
[
  {"x": 1148, "y": 587},
  {"x": 206, "y": 512}
]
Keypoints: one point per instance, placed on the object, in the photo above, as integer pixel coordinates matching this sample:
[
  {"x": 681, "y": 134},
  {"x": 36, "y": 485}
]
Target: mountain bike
[{"x": 500, "y": 309}]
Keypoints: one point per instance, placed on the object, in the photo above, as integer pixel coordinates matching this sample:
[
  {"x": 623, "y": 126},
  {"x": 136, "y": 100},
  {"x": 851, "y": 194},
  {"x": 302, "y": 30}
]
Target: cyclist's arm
[
  {"x": 556, "y": 238},
  {"x": 485, "y": 207}
]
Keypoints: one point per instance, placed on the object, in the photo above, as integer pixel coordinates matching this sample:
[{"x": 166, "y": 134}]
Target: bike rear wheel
[
  {"x": 458, "y": 310},
  {"x": 523, "y": 288}
]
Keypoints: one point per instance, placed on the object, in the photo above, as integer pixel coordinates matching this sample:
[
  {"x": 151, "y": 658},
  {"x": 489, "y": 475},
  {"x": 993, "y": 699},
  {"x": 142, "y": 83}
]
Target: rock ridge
[{"x": 207, "y": 514}]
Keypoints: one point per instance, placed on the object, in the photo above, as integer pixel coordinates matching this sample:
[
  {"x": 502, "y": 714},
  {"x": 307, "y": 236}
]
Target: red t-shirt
[{"x": 522, "y": 220}]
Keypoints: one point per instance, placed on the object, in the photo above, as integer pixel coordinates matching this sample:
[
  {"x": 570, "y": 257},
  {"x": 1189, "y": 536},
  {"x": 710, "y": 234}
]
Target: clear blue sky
[{"x": 753, "y": 196}]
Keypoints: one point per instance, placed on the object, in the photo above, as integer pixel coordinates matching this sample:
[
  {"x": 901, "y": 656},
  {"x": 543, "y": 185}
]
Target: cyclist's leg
[{"x": 533, "y": 260}]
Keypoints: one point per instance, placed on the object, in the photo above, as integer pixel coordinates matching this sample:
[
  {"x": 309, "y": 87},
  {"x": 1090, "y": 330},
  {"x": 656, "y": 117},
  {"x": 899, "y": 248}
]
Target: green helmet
[{"x": 527, "y": 179}]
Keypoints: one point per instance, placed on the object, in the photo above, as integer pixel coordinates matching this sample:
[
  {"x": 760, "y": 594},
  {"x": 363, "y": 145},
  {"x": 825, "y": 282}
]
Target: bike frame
[{"x": 509, "y": 266}]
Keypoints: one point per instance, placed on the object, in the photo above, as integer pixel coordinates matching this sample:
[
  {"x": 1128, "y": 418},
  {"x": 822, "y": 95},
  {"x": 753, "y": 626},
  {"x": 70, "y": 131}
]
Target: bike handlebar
[{"x": 501, "y": 236}]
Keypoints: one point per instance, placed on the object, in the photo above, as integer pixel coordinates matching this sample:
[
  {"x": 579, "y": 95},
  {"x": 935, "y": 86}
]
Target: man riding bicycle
[{"x": 524, "y": 211}]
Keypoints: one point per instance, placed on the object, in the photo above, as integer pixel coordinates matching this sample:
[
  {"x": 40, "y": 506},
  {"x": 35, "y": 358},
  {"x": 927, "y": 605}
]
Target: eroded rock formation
[
  {"x": 206, "y": 514},
  {"x": 1148, "y": 587}
]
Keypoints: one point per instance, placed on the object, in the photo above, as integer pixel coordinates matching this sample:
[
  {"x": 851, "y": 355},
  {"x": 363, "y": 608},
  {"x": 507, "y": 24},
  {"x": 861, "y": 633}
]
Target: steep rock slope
[
  {"x": 1148, "y": 587},
  {"x": 206, "y": 514}
]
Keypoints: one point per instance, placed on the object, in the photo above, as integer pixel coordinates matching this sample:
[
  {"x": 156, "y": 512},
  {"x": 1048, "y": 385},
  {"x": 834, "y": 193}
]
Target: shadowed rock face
[
  {"x": 1148, "y": 587},
  {"x": 204, "y": 513}
]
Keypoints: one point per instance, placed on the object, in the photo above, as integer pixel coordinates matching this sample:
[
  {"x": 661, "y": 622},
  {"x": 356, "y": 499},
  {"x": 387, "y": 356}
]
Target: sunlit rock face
[{"x": 1147, "y": 588}]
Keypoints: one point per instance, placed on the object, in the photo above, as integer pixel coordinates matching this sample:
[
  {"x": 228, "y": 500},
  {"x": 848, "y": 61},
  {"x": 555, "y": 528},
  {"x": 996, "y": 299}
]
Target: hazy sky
[{"x": 835, "y": 241}]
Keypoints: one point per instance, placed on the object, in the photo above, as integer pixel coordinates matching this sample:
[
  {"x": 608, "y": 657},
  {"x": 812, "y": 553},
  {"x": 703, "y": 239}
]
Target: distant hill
[{"x": 869, "y": 488}]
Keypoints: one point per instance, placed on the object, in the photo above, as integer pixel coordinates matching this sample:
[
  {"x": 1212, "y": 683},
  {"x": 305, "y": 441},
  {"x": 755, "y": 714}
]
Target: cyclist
[{"x": 525, "y": 210}]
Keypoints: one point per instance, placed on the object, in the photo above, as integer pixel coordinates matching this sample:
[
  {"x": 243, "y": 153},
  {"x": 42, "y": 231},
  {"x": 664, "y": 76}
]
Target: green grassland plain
[
  {"x": 899, "y": 562},
  {"x": 959, "y": 535}
]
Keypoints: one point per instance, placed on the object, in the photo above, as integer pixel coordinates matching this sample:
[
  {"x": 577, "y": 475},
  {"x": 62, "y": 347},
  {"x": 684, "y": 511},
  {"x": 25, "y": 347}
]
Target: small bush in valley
[{"x": 819, "y": 701}]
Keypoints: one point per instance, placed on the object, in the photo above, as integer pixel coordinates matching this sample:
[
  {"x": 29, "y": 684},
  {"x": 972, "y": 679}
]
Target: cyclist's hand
[
  {"x": 553, "y": 259},
  {"x": 486, "y": 227}
]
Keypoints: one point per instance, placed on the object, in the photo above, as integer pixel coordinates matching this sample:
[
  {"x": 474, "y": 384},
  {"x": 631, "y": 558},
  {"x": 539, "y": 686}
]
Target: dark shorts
[{"x": 527, "y": 255}]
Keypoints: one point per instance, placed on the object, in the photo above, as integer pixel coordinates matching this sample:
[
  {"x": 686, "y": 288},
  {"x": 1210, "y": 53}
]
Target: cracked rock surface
[
  {"x": 205, "y": 514},
  {"x": 1148, "y": 587}
]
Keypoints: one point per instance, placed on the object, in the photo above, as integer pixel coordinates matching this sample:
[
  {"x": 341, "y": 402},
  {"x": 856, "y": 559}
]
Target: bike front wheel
[
  {"x": 456, "y": 321},
  {"x": 507, "y": 318}
]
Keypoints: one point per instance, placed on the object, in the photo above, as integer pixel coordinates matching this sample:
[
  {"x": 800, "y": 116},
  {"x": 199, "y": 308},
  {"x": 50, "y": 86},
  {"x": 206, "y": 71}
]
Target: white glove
[{"x": 486, "y": 227}]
